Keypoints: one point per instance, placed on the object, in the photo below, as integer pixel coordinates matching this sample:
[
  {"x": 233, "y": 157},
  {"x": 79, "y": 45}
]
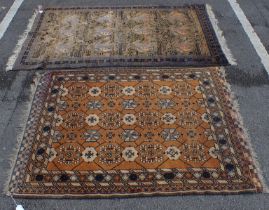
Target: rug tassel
[
  {"x": 246, "y": 135},
  {"x": 12, "y": 59},
  {"x": 18, "y": 206},
  {"x": 25, "y": 110},
  {"x": 220, "y": 36}
]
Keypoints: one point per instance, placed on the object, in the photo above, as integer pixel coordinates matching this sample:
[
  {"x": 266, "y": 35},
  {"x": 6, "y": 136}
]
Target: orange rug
[{"x": 124, "y": 132}]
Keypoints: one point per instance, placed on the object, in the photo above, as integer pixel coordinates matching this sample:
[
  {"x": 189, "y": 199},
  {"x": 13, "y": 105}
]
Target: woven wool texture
[
  {"x": 122, "y": 132},
  {"x": 136, "y": 36}
]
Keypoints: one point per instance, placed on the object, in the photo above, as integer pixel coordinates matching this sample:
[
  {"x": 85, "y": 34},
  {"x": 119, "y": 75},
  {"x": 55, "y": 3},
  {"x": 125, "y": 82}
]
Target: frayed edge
[
  {"x": 12, "y": 59},
  {"x": 20, "y": 129},
  {"x": 220, "y": 36},
  {"x": 247, "y": 139}
]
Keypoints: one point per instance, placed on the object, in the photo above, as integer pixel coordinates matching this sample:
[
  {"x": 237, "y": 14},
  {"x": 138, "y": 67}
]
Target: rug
[
  {"x": 120, "y": 132},
  {"x": 121, "y": 36}
]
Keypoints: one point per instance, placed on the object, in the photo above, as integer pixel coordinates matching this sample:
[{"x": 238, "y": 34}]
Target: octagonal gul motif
[
  {"x": 183, "y": 89},
  {"x": 145, "y": 89},
  {"x": 110, "y": 154},
  {"x": 148, "y": 119},
  {"x": 110, "y": 120},
  {"x": 189, "y": 119},
  {"x": 193, "y": 152},
  {"x": 112, "y": 90},
  {"x": 68, "y": 154},
  {"x": 150, "y": 153},
  {"x": 74, "y": 120},
  {"x": 78, "y": 91}
]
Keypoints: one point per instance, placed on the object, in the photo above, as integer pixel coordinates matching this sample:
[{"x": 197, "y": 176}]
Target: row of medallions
[
  {"x": 72, "y": 154},
  {"x": 131, "y": 135},
  {"x": 134, "y": 105},
  {"x": 142, "y": 89},
  {"x": 113, "y": 120}
]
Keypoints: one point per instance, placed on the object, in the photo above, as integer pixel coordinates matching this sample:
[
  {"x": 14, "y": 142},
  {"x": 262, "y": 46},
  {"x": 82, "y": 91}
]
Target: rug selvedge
[
  {"x": 121, "y": 36},
  {"x": 114, "y": 132}
]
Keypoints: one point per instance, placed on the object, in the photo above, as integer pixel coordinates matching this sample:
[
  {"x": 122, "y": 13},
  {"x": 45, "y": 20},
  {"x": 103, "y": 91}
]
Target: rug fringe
[
  {"x": 246, "y": 135},
  {"x": 15, "y": 53},
  {"x": 22, "y": 120},
  {"x": 220, "y": 36}
]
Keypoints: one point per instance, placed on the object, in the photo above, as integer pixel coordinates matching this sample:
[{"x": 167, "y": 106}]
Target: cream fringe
[
  {"x": 25, "y": 111},
  {"x": 12, "y": 59},
  {"x": 246, "y": 136},
  {"x": 220, "y": 36}
]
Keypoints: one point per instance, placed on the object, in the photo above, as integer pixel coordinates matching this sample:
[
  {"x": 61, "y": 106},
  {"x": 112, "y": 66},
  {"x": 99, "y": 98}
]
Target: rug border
[{"x": 176, "y": 61}]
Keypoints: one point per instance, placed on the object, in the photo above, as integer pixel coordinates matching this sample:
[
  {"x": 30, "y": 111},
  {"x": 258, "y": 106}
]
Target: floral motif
[
  {"x": 166, "y": 104},
  {"x": 92, "y": 119},
  {"x": 168, "y": 118},
  {"x": 173, "y": 153},
  {"x": 129, "y": 119},
  {"x": 130, "y": 135},
  {"x": 95, "y": 91},
  {"x": 129, "y": 104},
  {"x": 94, "y": 105},
  {"x": 89, "y": 154},
  {"x": 91, "y": 136},
  {"x": 129, "y": 90},
  {"x": 170, "y": 134},
  {"x": 165, "y": 90},
  {"x": 129, "y": 154}
]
